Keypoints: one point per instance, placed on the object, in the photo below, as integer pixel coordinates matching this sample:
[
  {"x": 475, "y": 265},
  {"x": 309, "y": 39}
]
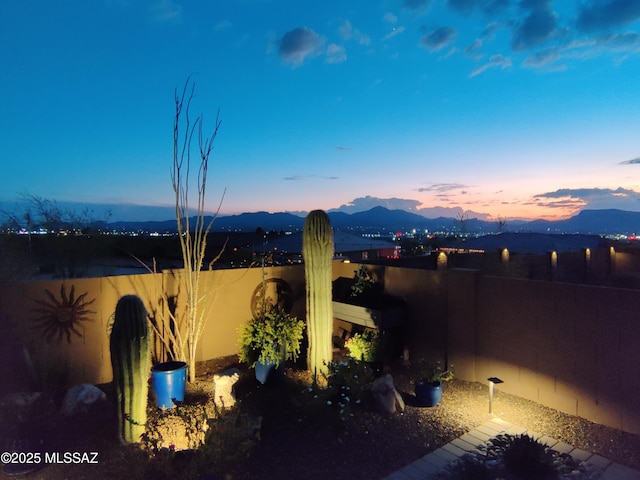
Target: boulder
[
  {"x": 387, "y": 398},
  {"x": 20, "y": 399},
  {"x": 80, "y": 398}
]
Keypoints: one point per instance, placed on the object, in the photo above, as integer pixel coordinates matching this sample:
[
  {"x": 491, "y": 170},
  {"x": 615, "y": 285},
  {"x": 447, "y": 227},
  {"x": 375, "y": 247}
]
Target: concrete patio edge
[{"x": 432, "y": 464}]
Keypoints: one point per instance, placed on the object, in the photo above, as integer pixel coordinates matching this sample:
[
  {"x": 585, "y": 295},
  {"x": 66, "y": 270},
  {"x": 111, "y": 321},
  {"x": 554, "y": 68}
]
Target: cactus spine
[
  {"x": 131, "y": 362},
  {"x": 317, "y": 251}
]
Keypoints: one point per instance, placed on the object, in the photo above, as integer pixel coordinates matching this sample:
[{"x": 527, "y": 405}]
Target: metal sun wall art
[
  {"x": 62, "y": 317},
  {"x": 275, "y": 292}
]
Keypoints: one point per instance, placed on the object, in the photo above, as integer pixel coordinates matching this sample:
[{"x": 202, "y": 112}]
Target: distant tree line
[{"x": 34, "y": 213}]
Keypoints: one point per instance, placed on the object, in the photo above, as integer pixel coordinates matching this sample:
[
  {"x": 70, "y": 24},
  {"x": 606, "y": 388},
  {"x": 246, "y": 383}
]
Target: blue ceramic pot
[
  {"x": 428, "y": 394},
  {"x": 263, "y": 370}
]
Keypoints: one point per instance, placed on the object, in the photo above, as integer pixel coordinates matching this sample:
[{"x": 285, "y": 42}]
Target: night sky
[{"x": 518, "y": 109}]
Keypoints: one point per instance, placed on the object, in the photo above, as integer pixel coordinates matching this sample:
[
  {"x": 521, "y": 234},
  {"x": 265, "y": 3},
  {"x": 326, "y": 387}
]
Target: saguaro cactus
[
  {"x": 131, "y": 362},
  {"x": 317, "y": 251}
]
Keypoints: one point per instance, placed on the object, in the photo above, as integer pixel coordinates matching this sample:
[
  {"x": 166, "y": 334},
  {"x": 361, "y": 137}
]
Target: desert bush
[
  {"x": 335, "y": 397},
  {"x": 364, "y": 346},
  {"x": 469, "y": 467},
  {"x": 524, "y": 456}
]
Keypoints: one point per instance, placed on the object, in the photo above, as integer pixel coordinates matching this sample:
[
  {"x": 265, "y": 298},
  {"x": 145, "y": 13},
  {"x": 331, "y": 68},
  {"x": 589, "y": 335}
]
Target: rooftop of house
[
  {"x": 344, "y": 243},
  {"x": 528, "y": 243}
]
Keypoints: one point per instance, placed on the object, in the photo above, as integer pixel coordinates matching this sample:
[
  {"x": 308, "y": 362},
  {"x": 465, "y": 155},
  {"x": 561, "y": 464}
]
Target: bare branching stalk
[{"x": 184, "y": 327}]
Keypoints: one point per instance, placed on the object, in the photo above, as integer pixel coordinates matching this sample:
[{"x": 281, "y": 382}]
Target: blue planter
[
  {"x": 428, "y": 394},
  {"x": 169, "y": 382},
  {"x": 263, "y": 370}
]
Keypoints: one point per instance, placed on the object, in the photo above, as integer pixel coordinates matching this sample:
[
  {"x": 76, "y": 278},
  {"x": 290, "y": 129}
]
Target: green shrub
[
  {"x": 364, "y": 346},
  {"x": 362, "y": 281},
  {"x": 270, "y": 337},
  {"x": 469, "y": 467},
  {"x": 524, "y": 456},
  {"x": 512, "y": 457},
  {"x": 335, "y": 397}
]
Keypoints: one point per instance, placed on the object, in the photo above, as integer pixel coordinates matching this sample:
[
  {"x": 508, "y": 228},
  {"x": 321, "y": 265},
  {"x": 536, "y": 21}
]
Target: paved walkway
[{"x": 428, "y": 467}]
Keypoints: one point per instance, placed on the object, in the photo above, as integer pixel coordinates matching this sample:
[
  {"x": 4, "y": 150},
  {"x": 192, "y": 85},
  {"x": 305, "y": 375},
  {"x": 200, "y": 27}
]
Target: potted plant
[
  {"x": 428, "y": 385},
  {"x": 269, "y": 338}
]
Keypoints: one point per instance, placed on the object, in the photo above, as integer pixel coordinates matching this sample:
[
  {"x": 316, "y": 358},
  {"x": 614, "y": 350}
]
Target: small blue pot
[
  {"x": 428, "y": 394},
  {"x": 263, "y": 370}
]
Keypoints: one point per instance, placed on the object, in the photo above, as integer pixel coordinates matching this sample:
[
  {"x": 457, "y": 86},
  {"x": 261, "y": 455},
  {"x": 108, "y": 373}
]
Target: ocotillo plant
[
  {"x": 131, "y": 360},
  {"x": 317, "y": 251}
]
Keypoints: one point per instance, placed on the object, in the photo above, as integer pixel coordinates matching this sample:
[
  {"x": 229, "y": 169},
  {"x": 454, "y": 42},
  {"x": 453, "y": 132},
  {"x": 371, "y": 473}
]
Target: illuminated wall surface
[{"x": 571, "y": 347}]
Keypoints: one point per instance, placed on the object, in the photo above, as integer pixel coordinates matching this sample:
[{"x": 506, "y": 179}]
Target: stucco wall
[
  {"x": 86, "y": 356},
  {"x": 574, "y": 348}
]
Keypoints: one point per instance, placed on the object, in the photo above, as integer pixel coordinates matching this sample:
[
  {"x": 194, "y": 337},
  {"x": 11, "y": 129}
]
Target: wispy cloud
[
  {"x": 335, "y": 53},
  {"x": 166, "y": 11},
  {"x": 595, "y": 198},
  {"x": 543, "y": 58},
  {"x": 633, "y": 161},
  {"x": 362, "y": 204},
  {"x": 394, "y": 31},
  {"x": 442, "y": 187},
  {"x": 390, "y": 18},
  {"x": 624, "y": 42},
  {"x": 347, "y": 32},
  {"x": 499, "y": 61},
  {"x": 473, "y": 50},
  {"x": 309, "y": 177},
  {"x": 298, "y": 44},
  {"x": 438, "y": 38}
]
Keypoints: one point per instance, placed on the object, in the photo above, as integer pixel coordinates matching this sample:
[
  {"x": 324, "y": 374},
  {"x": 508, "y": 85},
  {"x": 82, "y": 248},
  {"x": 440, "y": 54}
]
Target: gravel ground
[
  {"x": 373, "y": 445},
  {"x": 298, "y": 442}
]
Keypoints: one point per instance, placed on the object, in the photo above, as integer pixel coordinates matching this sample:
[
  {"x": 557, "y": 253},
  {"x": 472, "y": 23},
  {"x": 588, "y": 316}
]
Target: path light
[{"x": 492, "y": 381}]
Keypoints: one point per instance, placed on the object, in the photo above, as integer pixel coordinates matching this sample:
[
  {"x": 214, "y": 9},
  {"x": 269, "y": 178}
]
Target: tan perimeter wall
[
  {"x": 573, "y": 348},
  {"x": 86, "y": 355}
]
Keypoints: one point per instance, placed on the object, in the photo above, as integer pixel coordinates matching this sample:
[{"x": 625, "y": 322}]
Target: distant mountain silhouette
[
  {"x": 382, "y": 220},
  {"x": 590, "y": 221}
]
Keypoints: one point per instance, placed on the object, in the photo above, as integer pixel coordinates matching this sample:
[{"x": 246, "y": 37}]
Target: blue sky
[{"x": 508, "y": 108}]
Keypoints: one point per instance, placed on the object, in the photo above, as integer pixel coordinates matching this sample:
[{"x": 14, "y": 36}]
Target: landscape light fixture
[{"x": 492, "y": 382}]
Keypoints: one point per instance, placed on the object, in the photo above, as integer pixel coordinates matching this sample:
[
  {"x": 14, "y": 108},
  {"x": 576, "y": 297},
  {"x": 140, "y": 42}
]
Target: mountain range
[{"x": 383, "y": 221}]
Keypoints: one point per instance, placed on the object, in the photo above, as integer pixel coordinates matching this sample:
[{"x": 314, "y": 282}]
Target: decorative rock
[
  {"x": 224, "y": 395},
  {"x": 80, "y": 398},
  {"x": 20, "y": 399},
  {"x": 387, "y": 398}
]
